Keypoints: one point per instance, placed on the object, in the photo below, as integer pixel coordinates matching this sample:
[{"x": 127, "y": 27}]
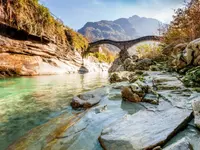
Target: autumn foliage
[
  {"x": 36, "y": 19},
  {"x": 185, "y": 26}
]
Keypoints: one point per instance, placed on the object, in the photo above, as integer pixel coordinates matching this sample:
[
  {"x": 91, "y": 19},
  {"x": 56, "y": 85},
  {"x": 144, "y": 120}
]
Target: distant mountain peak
[
  {"x": 135, "y": 16},
  {"x": 121, "y": 29}
]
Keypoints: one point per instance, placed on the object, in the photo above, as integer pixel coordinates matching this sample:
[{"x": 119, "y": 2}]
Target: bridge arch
[{"x": 124, "y": 45}]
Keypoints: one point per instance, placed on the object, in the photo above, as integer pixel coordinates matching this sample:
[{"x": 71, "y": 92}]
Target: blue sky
[{"x": 75, "y": 13}]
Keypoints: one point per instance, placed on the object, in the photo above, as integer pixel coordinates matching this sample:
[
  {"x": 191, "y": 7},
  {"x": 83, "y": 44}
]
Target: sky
[{"x": 75, "y": 13}]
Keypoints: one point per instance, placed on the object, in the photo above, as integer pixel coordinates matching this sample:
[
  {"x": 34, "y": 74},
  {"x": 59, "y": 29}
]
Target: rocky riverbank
[
  {"x": 30, "y": 58},
  {"x": 33, "y": 42},
  {"x": 151, "y": 107},
  {"x": 113, "y": 123}
]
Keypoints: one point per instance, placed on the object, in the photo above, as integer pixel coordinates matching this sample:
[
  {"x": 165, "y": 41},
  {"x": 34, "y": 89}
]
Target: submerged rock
[
  {"x": 196, "y": 109},
  {"x": 182, "y": 144},
  {"x": 101, "y": 109},
  {"x": 151, "y": 98},
  {"x": 38, "y": 137},
  {"x": 83, "y": 70},
  {"x": 144, "y": 130}
]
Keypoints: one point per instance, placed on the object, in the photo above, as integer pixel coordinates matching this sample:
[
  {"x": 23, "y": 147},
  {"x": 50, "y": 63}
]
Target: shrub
[
  {"x": 104, "y": 56},
  {"x": 76, "y": 40},
  {"x": 151, "y": 51}
]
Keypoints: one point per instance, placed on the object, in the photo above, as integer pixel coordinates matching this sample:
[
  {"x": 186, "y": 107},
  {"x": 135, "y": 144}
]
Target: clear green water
[{"x": 27, "y": 102}]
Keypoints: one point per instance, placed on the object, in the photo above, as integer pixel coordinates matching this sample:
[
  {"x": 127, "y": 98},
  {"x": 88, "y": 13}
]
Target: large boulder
[
  {"x": 144, "y": 64},
  {"x": 167, "y": 50},
  {"x": 126, "y": 64},
  {"x": 144, "y": 130},
  {"x": 193, "y": 52},
  {"x": 88, "y": 99},
  {"x": 180, "y": 48},
  {"x": 177, "y": 59},
  {"x": 139, "y": 92},
  {"x": 132, "y": 93},
  {"x": 178, "y": 62},
  {"x": 84, "y": 102},
  {"x": 129, "y": 64},
  {"x": 121, "y": 76},
  {"x": 196, "y": 110}
]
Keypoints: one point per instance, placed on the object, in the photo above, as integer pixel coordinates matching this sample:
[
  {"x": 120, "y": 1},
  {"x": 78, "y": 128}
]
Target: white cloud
[{"x": 161, "y": 10}]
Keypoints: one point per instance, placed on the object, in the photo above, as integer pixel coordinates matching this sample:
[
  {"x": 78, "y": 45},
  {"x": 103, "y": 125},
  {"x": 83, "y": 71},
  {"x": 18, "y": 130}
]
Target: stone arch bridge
[{"x": 124, "y": 45}]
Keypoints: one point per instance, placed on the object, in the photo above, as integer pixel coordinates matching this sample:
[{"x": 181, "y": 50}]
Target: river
[{"x": 27, "y": 102}]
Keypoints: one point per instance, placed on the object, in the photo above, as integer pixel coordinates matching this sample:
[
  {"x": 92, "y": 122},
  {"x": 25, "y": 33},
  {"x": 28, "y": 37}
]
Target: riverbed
[{"x": 27, "y": 102}]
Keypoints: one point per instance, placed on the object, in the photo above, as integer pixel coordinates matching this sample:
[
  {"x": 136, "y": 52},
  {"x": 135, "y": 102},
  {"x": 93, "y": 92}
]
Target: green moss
[
  {"x": 141, "y": 78},
  {"x": 192, "y": 77}
]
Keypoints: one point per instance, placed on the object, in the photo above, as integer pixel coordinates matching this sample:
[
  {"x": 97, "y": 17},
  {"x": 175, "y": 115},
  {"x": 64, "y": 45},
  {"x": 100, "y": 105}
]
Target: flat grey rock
[
  {"x": 182, "y": 144},
  {"x": 144, "y": 130},
  {"x": 192, "y": 135},
  {"x": 196, "y": 110}
]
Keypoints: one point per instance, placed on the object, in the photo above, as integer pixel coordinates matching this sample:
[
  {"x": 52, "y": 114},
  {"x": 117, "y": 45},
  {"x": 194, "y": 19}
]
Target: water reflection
[{"x": 30, "y": 101}]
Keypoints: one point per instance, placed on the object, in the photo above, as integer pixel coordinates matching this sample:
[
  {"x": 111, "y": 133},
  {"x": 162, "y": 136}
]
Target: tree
[{"x": 185, "y": 26}]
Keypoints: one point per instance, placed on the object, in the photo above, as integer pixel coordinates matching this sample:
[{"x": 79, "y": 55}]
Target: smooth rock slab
[
  {"x": 192, "y": 135},
  {"x": 182, "y": 144},
  {"x": 196, "y": 109},
  {"x": 144, "y": 130},
  {"x": 36, "y": 138}
]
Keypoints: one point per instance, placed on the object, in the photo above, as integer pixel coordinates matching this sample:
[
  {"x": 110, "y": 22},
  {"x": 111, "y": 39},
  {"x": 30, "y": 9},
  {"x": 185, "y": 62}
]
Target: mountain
[
  {"x": 145, "y": 26},
  {"x": 121, "y": 29}
]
